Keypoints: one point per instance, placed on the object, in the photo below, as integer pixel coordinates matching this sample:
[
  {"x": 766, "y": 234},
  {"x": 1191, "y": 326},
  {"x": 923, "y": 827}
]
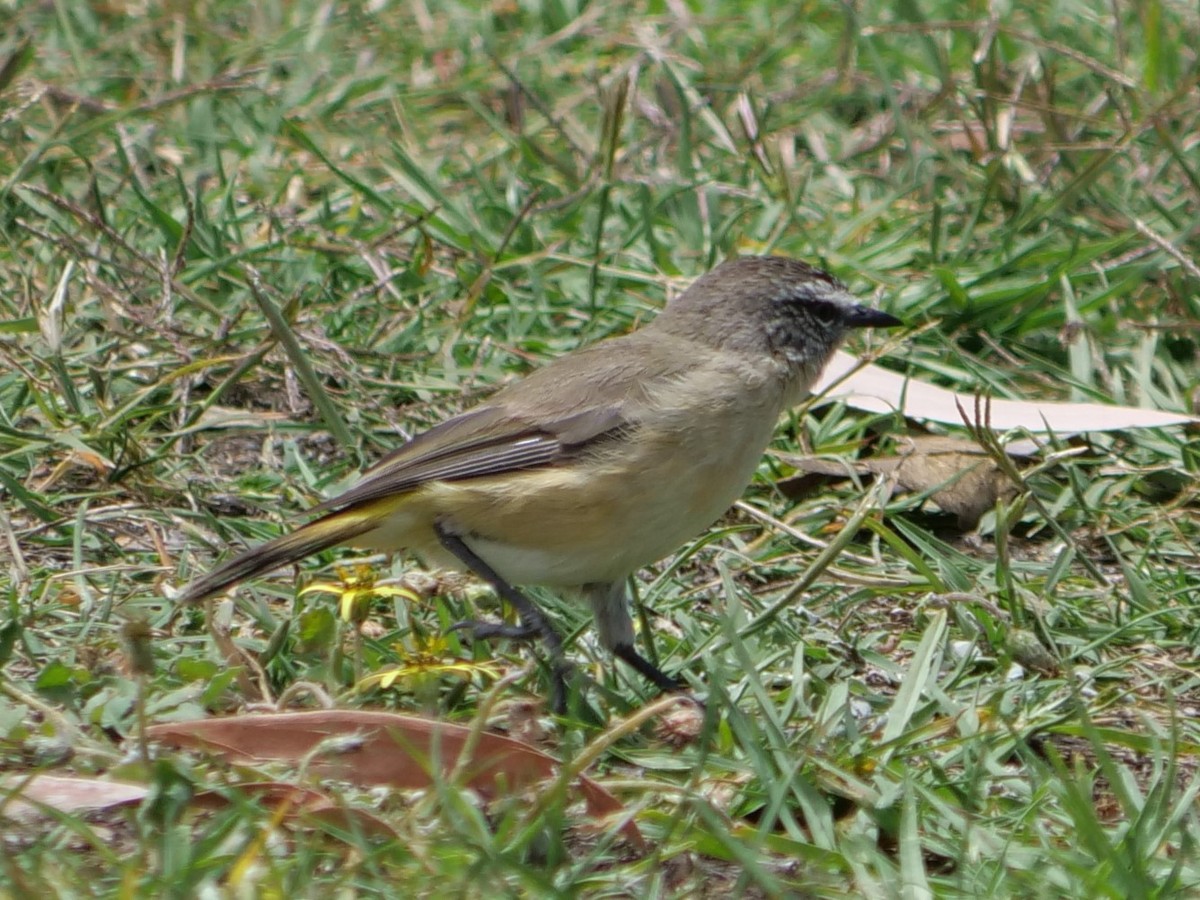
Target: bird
[{"x": 599, "y": 463}]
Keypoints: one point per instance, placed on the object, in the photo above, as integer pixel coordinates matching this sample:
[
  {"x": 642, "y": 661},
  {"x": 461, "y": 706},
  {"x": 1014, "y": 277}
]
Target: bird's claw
[{"x": 490, "y": 631}]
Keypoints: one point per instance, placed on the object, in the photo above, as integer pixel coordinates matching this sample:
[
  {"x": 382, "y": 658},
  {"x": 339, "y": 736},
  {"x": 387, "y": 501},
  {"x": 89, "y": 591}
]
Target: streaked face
[{"x": 808, "y": 320}]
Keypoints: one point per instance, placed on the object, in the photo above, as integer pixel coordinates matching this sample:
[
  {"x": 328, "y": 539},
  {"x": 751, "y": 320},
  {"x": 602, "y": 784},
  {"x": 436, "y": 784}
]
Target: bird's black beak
[{"x": 866, "y": 317}]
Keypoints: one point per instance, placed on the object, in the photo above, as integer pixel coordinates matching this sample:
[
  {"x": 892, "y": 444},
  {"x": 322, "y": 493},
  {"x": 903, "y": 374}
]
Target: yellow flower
[
  {"x": 425, "y": 662},
  {"x": 357, "y": 590}
]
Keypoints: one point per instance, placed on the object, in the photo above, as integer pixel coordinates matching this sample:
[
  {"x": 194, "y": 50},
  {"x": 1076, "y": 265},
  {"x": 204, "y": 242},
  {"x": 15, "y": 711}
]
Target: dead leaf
[
  {"x": 875, "y": 389},
  {"x": 370, "y": 748},
  {"x": 26, "y": 799},
  {"x": 304, "y": 803},
  {"x": 77, "y": 470},
  {"x": 958, "y": 475},
  {"x": 224, "y": 417}
]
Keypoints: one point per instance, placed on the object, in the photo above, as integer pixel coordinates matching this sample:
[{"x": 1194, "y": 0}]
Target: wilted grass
[{"x": 247, "y": 248}]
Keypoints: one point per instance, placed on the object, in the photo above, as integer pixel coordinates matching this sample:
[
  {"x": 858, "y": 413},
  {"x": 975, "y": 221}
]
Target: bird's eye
[{"x": 823, "y": 312}]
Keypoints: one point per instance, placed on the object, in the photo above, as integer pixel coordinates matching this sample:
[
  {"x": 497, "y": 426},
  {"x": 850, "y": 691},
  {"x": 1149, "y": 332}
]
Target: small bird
[{"x": 599, "y": 463}]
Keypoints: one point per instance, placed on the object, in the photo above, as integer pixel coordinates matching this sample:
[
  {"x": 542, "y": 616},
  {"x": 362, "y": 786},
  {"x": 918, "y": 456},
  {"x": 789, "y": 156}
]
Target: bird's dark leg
[
  {"x": 490, "y": 631},
  {"x": 648, "y": 670},
  {"x": 610, "y": 606},
  {"x": 533, "y": 621}
]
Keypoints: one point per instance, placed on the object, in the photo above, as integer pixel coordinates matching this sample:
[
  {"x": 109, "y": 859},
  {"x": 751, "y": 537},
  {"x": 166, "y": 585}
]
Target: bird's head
[{"x": 795, "y": 312}]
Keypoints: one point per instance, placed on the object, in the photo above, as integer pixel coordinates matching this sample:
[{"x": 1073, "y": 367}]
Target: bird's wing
[
  {"x": 567, "y": 406},
  {"x": 488, "y": 440}
]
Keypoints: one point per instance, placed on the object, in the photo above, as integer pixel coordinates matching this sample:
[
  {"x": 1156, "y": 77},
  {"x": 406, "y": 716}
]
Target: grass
[{"x": 245, "y": 249}]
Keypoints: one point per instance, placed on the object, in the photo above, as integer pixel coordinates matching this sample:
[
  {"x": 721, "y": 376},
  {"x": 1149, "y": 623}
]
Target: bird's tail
[{"x": 320, "y": 534}]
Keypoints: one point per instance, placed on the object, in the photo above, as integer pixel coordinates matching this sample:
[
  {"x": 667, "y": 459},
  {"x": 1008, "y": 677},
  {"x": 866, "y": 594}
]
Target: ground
[{"x": 247, "y": 249}]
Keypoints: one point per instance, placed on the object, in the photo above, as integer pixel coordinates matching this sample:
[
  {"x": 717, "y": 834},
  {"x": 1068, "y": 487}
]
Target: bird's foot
[
  {"x": 559, "y": 667},
  {"x": 490, "y": 631},
  {"x": 648, "y": 670}
]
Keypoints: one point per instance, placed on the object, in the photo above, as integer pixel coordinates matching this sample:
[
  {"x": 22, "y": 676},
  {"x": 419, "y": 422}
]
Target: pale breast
[{"x": 632, "y": 502}]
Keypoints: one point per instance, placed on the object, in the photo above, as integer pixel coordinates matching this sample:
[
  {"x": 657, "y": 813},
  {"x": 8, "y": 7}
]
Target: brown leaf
[
  {"x": 304, "y": 803},
  {"x": 959, "y": 476},
  {"x": 370, "y": 748}
]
